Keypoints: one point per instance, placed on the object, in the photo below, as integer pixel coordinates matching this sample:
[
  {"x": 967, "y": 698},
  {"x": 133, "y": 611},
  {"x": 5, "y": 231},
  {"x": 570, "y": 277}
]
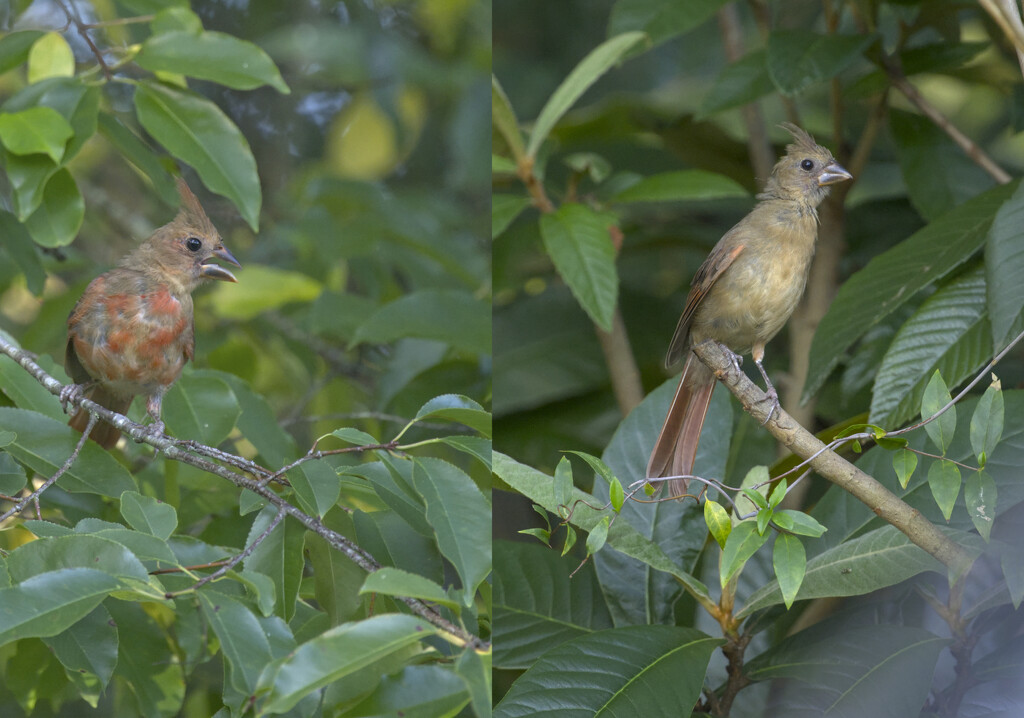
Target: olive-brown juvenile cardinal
[
  {"x": 132, "y": 331},
  {"x": 744, "y": 293}
]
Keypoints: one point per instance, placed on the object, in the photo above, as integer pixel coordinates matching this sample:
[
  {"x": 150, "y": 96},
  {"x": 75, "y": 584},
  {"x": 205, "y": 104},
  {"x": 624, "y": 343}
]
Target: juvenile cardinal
[
  {"x": 132, "y": 330},
  {"x": 744, "y": 293}
]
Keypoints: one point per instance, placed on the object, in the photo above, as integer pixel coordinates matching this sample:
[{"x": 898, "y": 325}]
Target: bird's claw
[
  {"x": 69, "y": 394},
  {"x": 772, "y": 396},
  {"x": 154, "y": 430}
]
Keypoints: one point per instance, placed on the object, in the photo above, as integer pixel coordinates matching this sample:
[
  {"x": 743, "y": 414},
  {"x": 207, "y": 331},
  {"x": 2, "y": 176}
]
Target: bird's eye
[
  {"x": 807, "y": 165},
  {"x": 193, "y": 244}
]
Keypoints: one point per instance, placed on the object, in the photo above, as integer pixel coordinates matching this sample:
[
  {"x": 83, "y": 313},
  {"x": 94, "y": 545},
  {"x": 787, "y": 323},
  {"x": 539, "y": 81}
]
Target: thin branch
[
  {"x": 83, "y": 30},
  {"x": 173, "y": 451},
  {"x": 1005, "y": 18},
  {"x": 622, "y": 367}
]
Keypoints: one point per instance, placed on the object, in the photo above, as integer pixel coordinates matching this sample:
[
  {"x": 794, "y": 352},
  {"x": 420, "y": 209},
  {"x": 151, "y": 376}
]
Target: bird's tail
[
  {"x": 676, "y": 448},
  {"x": 102, "y": 433}
]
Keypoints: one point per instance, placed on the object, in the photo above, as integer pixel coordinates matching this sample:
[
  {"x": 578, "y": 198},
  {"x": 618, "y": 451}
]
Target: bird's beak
[
  {"x": 215, "y": 271},
  {"x": 832, "y": 174}
]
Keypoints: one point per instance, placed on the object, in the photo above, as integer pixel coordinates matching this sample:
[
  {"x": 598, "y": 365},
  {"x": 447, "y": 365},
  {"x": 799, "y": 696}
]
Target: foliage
[
  {"x": 359, "y": 326},
  {"x": 606, "y": 204}
]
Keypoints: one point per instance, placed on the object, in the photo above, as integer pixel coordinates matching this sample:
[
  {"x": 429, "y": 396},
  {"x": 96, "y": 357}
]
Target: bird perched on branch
[
  {"x": 132, "y": 330},
  {"x": 744, "y": 293}
]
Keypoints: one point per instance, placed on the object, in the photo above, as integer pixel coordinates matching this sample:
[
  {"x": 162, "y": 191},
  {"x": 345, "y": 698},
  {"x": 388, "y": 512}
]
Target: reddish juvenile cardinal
[
  {"x": 744, "y": 293},
  {"x": 132, "y": 331}
]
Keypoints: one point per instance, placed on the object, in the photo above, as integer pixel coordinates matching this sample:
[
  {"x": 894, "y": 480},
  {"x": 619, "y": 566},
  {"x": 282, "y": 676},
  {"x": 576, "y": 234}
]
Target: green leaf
[
  {"x": 502, "y": 165},
  {"x": 43, "y": 445},
  {"x": 477, "y": 447},
  {"x": 563, "y": 484},
  {"x": 895, "y": 276},
  {"x": 455, "y": 407},
  {"x": 76, "y": 102},
  {"x": 143, "y": 661},
  {"x": 202, "y": 408},
  {"x": 12, "y": 475},
  {"x": 241, "y": 637},
  {"x": 88, "y": 647},
  {"x": 743, "y": 542},
  {"x": 680, "y": 186},
  {"x": 177, "y": 18},
  {"x": 904, "y": 462},
  {"x": 596, "y": 63},
  {"x": 834, "y": 669},
  {"x": 578, "y": 242},
  {"x": 279, "y": 556},
  {"x": 475, "y": 669},
  {"x": 417, "y": 691},
  {"x": 504, "y": 209},
  {"x": 790, "y": 561},
  {"x": 537, "y": 606},
  {"x": 452, "y": 316},
  {"x": 948, "y": 333},
  {"x": 136, "y": 152},
  {"x": 334, "y": 654},
  {"x": 504, "y": 119},
  {"x": 980, "y": 495},
  {"x": 987, "y": 423},
  {"x": 28, "y": 176},
  {"x": 616, "y": 495},
  {"x": 14, "y": 48},
  {"x": 195, "y": 130},
  {"x": 598, "y": 536},
  {"x": 935, "y": 397},
  {"x": 1004, "y": 265},
  {"x": 36, "y": 130},
  {"x": 717, "y": 519},
  {"x": 51, "y": 602},
  {"x": 19, "y": 245},
  {"x": 354, "y": 436},
  {"x": 661, "y": 19},
  {"x": 83, "y": 551},
  {"x": 149, "y": 515},
  {"x": 213, "y": 56},
  {"x": 50, "y": 56},
  {"x": 778, "y": 494},
  {"x": 262, "y": 288},
  {"x": 590, "y": 164},
  {"x": 879, "y": 558},
  {"x": 944, "y": 482},
  {"x": 738, "y": 84},
  {"x": 621, "y": 535},
  {"x": 460, "y": 517},
  {"x": 56, "y": 221},
  {"x": 392, "y": 581},
  {"x": 798, "y": 59},
  {"x": 937, "y": 173},
  {"x": 612, "y": 673},
  {"x": 27, "y": 393}
]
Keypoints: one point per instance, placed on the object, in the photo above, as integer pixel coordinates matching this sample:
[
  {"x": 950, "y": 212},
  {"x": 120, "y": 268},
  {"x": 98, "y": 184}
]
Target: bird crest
[
  {"x": 192, "y": 213},
  {"x": 804, "y": 142}
]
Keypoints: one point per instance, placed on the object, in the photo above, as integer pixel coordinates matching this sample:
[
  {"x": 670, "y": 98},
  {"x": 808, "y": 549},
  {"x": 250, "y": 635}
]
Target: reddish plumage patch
[{"x": 162, "y": 302}]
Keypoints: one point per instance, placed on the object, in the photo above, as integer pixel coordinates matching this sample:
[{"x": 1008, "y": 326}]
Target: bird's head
[
  {"x": 806, "y": 171},
  {"x": 182, "y": 251}
]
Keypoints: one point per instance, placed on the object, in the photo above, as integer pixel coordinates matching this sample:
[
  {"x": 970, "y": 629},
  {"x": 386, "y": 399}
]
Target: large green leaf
[
  {"x": 241, "y": 637},
  {"x": 83, "y": 551},
  {"x": 425, "y": 691},
  {"x": 681, "y": 185},
  {"x": 202, "y": 408},
  {"x": 143, "y": 661},
  {"x": 740, "y": 83},
  {"x": 1004, "y": 266},
  {"x": 579, "y": 242},
  {"x": 135, "y": 151},
  {"x": 880, "y": 670},
  {"x": 14, "y": 47},
  {"x": 893, "y": 277},
  {"x": 621, "y": 536},
  {"x": 149, "y": 515},
  {"x": 213, "y": 56},
  {"x": 195, "y": 130},
  {"x": 76, "y": 101},
  {"x": 89, "y": 647},
  {"x": 631, "y": 671},
  {"x": 25, "y": 392},
  {"x": 391, "y": 581},
  {"x": 585, "y": 74},
  {"x": 537, "y": 606},
  {"x": 949, "y": 333},
  {"x": 49, "y": 603},
  {"x": 279, "y": 556},
  {"x": 57, "y": 219},
  {"x": 44, "y": 444},
  {"x": 798, "y": 59},
  {"x": 660, "y": 19},
  {"x": 875, "y": 560},
  {"x": 460, "y": 517},
  {"x": 447, "y": 315},
  {"x": 335, "y": 654},
  {"x": 37, "y": 129}
]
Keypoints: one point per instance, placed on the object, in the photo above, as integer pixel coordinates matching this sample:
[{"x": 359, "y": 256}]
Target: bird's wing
[{"x": 720, "y": 259}]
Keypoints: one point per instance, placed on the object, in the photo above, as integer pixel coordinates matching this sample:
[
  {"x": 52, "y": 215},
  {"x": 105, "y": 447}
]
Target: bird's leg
[
  {"x": 72, "y": 393},
  {"x": 736, "y": 359},
  {"x": 153, "y": 404},
  {"x": 770, "y": 393}
]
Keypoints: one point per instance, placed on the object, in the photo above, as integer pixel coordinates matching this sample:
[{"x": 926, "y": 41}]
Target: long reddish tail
[
  {"x": 676, "y": 448},
  {"x": 102, "y": 433}
]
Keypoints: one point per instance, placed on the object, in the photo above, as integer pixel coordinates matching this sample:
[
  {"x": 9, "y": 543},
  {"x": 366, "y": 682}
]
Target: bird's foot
[
  {"x": 71, "y": 393},
  {"x": 155, "y": 430},
  {"x": 770, "y": 394},
  {"x": 736, "y": 359}
]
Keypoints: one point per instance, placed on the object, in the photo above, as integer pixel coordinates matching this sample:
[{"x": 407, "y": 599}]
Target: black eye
[
  {"x": 193, "y": 244},
  {"x": 807, "y": 165}
]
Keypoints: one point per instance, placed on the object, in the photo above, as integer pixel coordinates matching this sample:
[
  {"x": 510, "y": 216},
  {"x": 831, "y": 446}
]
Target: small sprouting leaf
[
  {"x": 598, "y": 535},
  {"x": 798, "y": 522},
  {"x": 904, "y": 462},
  {"x": 936, "y": 396},
  {"x": 743, "y": 542},
  {"x": 570, "y": 539},
  {"x": 563, "y": 482},
  {"x": 616, "y": 495},
  {"x": 756, "y": 497},
  {"x": 717, "y": 519},
  {"x": 764, "y": 518},
  {"x": 980, "y": 496},
  {"x": 790, "y": 562},
  {"x": 504, "y": 119},
  {"x": 944, "y": 481},
  {"x": 778, "y": 494},
  {"x": 542, "y": 534},
  {"x": 987, "y": 423},
  {"x": 891, "y": 443}
]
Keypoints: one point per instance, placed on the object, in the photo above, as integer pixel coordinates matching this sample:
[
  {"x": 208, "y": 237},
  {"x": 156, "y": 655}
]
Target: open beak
[
  {"x": 215, "y": 271},
  {"x": 832, "y": 174}
]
